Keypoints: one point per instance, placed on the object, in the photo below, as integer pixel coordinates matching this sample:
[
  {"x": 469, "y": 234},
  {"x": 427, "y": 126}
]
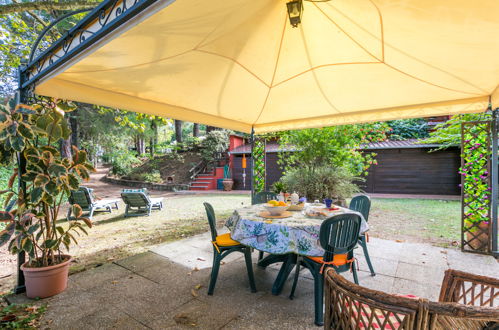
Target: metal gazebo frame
[{"x": 92, "y": 30}]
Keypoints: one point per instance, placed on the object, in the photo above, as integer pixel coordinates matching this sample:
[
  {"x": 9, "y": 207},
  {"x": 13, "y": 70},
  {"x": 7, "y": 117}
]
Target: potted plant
[
  {"x": 227, "y": 182},
  {"x": 47, "y": 179}
]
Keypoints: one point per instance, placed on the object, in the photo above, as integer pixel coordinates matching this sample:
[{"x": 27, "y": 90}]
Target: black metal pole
[
  {"x": 252, "y": 139},
  {"x": 21, "y": 97},
  {"x": 495, "y": 183}
]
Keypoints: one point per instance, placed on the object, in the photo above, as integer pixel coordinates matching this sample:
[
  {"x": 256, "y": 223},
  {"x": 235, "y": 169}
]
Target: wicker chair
[{"x": 350, "y": 306}]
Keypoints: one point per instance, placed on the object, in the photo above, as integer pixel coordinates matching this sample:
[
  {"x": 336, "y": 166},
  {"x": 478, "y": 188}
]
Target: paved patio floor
[{"x": 160, "y": 289}]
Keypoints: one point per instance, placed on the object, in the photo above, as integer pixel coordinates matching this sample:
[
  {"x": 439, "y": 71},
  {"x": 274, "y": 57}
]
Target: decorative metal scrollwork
[{"x": 91, "y": 25}]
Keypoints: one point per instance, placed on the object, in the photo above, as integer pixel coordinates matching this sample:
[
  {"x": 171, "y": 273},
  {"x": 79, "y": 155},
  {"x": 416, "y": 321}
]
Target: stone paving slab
[{"x": 164, "y": 290}]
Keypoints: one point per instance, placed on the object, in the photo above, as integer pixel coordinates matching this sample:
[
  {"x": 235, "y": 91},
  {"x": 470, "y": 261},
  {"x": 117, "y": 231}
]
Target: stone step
[
  {"x": 199, "y": 188},
  {"x": 200, "y": 183}
]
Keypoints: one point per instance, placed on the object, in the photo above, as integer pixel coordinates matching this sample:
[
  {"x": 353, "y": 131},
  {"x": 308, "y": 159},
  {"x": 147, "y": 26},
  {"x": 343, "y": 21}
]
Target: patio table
[{"x": 283, "y": 238}]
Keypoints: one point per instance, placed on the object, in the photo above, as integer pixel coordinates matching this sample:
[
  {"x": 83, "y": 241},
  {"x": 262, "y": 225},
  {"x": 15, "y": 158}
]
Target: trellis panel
[
  {"x": 476, "y": 186},
  {"x": 259, "y": 171}
]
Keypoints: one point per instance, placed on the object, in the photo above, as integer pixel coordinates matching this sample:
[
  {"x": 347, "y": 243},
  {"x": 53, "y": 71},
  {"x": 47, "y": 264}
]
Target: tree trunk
[
  {"x": 155, "y": 127},
  {"x": 73, "y": 122},
  {"x": 178, "y": 132},
  {"x": 195, "y": 130},
  {"x": 65, "y": 148},
  {"x": 140, "y": 145},
  {"x": 151, "y": 147}
]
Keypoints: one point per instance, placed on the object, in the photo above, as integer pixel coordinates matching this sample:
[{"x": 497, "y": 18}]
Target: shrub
[
  {"x": 123, "y": 163},
  {"x": 278, "y": 187},
  {"x": 214, "y": 143},
  {"x": 153, "y": 177},
  {"x": 403, "y": 129},
  {"x": 321, "y": 182}
]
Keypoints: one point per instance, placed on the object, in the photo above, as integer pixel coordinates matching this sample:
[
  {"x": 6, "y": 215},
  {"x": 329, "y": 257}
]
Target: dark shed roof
[{"x": 273, "y": 146}]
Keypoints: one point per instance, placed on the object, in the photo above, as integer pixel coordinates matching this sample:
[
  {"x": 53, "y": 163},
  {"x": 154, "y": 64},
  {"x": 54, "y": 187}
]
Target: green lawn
[
  {"x": 114, "y": 237},
  {"x": 434, "y": 221}
]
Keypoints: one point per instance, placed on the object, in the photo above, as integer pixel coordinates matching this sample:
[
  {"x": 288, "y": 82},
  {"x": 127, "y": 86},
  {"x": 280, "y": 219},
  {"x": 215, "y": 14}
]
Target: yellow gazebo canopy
[{"x": 239, "y": 64}]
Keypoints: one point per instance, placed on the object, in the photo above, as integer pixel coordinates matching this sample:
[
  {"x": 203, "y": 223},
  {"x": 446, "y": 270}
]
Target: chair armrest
[{"x": 469, "y": 289}]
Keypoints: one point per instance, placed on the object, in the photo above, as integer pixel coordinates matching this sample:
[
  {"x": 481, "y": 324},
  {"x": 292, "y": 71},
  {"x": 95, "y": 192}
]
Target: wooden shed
[
  {"x": 408, "y": 167},
  {"x": 404, "y": 167}
]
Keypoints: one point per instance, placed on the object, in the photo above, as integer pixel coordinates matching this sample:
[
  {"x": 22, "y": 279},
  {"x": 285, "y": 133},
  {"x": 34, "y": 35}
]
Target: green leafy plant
[
  {"x": 215, "y": 143},
  {"x": 321, "y": 182},
  {"x": 337, "y": 146},
  {"x": 279, "y": 187},
  {"x": 153, "y": 177},
  {"x": 448, "y": 134},
  {"x": 32, "y": 227},
  {"x": 227, "y": 174},
  {"x": 23, "y": 316},
  {"x": 123, "y": 163},
  {"x": 404, "y": 129},
  {"x": 475, "y": 173},
  {"x": 325, "y": 162}
]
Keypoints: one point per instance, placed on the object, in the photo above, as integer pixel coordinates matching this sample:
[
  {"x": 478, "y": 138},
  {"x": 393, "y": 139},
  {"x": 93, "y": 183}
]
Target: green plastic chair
[
  {"x": 362, "y": 204},
  {"x": 84, "y": 198},
  {"x": 338, "y": 236},
  {"x": 139, "y": 200},
  {"x": 223, "y": 245},
  {"x": 260, "y": 198},
  {"x": 263, "y": 197}
]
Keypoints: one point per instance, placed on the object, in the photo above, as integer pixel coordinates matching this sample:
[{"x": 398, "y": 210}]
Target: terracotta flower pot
[
  {"x": 478, "y": 240},
  {"x": 43, "y": 282},
  {"x": 228, "y": 184}
]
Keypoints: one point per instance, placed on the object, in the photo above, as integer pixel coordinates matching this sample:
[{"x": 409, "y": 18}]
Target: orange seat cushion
[
  {"x": 338, "y": 259},
  {"x": 225, "y": 240}
]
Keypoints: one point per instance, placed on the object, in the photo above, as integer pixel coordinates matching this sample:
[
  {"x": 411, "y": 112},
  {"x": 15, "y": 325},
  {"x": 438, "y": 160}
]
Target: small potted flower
[{"x": 31, "y": 217}]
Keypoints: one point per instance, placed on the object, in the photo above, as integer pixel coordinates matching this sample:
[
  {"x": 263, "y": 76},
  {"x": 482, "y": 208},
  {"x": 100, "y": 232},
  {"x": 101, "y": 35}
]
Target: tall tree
[
  {"x": 73, "y": 121},
  {"x": 178, "y": 131},
  {"x": 195, "y": 130},
  {"x": 48, "y": 6},
  {"x": 20, "y": 23}
]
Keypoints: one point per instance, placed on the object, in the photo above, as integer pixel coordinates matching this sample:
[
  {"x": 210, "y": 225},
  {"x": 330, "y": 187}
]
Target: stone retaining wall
[{"x": 148, "y": 185}]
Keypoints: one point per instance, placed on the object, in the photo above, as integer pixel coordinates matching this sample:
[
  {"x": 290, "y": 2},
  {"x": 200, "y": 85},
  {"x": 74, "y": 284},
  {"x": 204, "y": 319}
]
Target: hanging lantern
[
  {"x": 244, "y": 161},
  {"x": 295, "y": 10}
]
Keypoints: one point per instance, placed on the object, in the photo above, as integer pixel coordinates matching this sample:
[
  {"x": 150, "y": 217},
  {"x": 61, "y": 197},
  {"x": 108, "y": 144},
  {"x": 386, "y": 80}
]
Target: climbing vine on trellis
[
  {"x": 476, "y": 185},
  {"x": 258, "y": 164}
]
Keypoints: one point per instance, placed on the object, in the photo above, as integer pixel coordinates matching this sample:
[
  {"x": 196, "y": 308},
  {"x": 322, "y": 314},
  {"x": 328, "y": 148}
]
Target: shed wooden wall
[
  {"x": 399, "y": 171},
  {"x": 415, "y": 171},
  {"x": 274, "y": 171}
]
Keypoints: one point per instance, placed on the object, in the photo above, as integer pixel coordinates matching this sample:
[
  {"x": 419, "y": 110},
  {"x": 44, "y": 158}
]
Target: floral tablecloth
[{"x": 297, "y": 234}]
